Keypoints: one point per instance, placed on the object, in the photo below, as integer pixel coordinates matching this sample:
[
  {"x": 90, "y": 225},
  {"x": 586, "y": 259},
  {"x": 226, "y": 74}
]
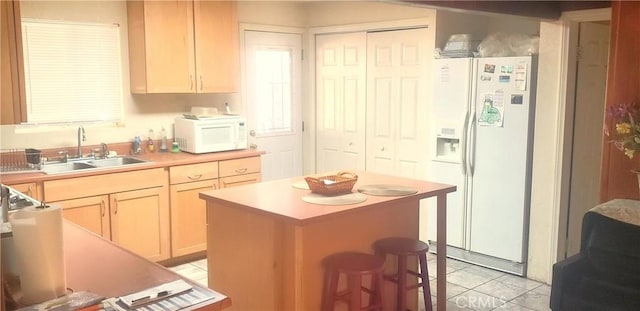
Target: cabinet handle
[
  {"x": 115, "y": 208},
  {"x": 200, "y": 83},
  {"x": 191, "y": 81},
  {"x": 195, "y": 177},
  {"x": 102, "y": 209},
  {"x": 241, "y": 170}
]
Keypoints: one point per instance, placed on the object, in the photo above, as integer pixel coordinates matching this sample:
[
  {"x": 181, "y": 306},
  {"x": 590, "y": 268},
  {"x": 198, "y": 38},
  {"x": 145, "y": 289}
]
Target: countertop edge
[{"x": 157, "y": 160}]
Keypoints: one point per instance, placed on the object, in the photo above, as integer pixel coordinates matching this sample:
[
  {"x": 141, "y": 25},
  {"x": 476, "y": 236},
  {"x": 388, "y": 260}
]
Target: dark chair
[{"x": 605, "y": 275}]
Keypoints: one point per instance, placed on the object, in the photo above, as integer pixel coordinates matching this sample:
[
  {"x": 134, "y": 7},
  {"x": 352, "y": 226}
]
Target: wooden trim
[
  {"x": 622, "y": 87},
  {"x": 14, "y": 103},
  {"x": 21, "y": 114}
]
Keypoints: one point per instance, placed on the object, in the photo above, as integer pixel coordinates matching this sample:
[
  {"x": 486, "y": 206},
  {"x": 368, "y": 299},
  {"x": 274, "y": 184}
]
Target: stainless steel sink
[
  {"x": 118, "y": 161},
  {"x": 72, "y": 166},
  {"x": 65, "y": 167}
]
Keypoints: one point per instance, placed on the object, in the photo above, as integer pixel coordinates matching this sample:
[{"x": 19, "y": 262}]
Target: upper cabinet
[
  {"x": 183, "y": 46},
  {"x": 12, "y": 109}
]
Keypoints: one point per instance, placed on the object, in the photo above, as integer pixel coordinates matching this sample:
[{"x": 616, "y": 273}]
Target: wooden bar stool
[
  {"x": 354, "y": 266},
  {"x": 402, "y": 248}
]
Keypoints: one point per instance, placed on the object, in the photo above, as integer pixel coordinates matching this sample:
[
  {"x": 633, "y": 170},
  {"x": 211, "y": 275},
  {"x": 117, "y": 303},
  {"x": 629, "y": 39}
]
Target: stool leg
[
  {"x": 426, "y": 289},
  {"x": 402, "y": 283},
  {"x": 355, "y": 289},
  {"x": 330, "y": 288},
  {"x": 379, "y": 290}
]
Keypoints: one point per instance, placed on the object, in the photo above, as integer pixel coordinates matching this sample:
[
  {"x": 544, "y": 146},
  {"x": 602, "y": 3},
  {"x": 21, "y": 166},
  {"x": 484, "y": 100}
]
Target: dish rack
[
  {"x": 340, "y": 183},
  {"x": 19, "y": 160}
]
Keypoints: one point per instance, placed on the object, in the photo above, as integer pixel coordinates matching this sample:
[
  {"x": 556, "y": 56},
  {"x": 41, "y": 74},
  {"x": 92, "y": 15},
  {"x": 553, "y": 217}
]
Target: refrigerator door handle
[
  {"x": 472, "y": 145},
  {"x": 463, "y": 144}
]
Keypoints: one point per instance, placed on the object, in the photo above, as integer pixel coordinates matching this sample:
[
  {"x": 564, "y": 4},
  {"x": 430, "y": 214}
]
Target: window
[
  {"x": 273, "y": 90},
  {"x": 73, "y": 71}
]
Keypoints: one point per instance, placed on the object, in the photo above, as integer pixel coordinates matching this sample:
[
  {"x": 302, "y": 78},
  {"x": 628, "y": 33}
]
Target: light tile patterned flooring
[{"x": 469, "y": 287}]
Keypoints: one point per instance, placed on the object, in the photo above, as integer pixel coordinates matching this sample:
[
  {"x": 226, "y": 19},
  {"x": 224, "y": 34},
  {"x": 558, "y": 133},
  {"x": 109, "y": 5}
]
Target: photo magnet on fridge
[
  {"x": 505, "y": 79},
  {"x": 485, "y": 78},
  {"x": 516, "y": 99},
  {"x": 489, "y": 68}
]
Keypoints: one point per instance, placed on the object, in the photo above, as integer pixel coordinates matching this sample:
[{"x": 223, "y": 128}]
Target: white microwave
[{"x": 221, "y": 133}]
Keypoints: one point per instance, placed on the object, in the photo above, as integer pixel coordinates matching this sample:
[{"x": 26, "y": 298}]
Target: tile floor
[{"x": 469, "y": 287}]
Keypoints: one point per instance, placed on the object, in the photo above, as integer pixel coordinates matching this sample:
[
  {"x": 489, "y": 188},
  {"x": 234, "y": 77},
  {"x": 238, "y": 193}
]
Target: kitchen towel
[{"x": 37, "y": 235}]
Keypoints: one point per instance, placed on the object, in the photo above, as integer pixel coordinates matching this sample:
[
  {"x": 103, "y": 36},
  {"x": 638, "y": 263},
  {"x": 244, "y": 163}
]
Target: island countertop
[
  {"x": 282, "y": 199},
  {"x": 265, "y": 245}
]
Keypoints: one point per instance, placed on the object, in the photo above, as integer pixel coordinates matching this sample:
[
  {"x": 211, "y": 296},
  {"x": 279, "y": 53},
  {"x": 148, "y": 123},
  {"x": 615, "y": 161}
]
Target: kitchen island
[{"x": 265, "y": 244}]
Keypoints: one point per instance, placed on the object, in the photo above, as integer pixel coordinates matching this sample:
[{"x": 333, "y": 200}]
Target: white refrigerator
[{"x": 482, "y": 118}]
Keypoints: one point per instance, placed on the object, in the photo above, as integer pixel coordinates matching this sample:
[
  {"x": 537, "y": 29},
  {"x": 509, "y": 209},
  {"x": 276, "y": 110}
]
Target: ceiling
[{"x": 537, "y": 9}]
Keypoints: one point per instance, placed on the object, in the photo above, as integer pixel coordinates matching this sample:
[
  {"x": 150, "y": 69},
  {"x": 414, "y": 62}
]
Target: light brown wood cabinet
[
  {"x": 130, "y": 208},
  {"x": 239, "y": 172},
  {"x": 183, "y": 46},
  {"x": 92, "y": 213},
  {"x": 140, "y": 222},
  {"x": 12, "y": 105},
  {"x": 32, "y": 189},
  {"x": 188, "y": 211}
]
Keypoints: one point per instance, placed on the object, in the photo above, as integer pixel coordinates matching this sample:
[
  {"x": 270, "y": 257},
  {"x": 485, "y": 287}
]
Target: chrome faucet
[
  {"x": 84, "y": 138},
  {"x": 105, "y": 151}
]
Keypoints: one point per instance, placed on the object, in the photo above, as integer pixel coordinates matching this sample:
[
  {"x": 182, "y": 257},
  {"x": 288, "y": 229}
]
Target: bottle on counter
[
  {"x": 136, "y": 146},
  {"x": 175, "y": 148},
  {"x": 150, "y": 146},
  {"x": 163, "y": 141}
]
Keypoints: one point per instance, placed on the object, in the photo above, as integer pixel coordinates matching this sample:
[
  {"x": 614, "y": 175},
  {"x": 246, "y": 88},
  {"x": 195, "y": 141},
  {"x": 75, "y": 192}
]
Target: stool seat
[
  {"x": 354, "y": 263},
  {"x": 403, "y": 248},
  {"x": 354, "y": 266}
]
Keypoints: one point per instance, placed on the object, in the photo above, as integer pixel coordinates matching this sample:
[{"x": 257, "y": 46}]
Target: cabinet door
[
  {"x": 188, "y": 217},
  {"x": 239, "y": 166},
  {"x": 140, "y": 222},
  {"x": 168, "y": 39},
  {"x": 239, "y": 180},
  {"x": 31, "y": 190},
  {"x": 216, "y": 46},
  {"x": 90, "y": 213},
  {"x": 12, "y": 106}
]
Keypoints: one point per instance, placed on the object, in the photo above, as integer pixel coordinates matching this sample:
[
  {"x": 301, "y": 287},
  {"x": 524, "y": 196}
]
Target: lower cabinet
[
  {"x": 131, "y": 208},
  {"x": 140, "y": 222},
  {"x": 31, "y": 190},
  {"x": 134, "y": 220},
  {"x": 92, "y": 213},
  {"x": 188, "y": 217},
  {"x": 239, "y": 172}
]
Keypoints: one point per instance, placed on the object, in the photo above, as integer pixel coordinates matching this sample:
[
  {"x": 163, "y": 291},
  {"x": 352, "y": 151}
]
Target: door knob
[{"x": 252, "y": 133}]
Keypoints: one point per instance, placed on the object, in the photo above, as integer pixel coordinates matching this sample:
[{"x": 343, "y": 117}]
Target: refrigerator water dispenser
[
  {"x": 447, "y": 144},
  {"x": 448, "y": 149}
]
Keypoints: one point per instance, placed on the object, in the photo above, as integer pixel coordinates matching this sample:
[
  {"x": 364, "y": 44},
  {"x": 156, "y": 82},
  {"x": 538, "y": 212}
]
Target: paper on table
[{"x": 155, "y": 293}]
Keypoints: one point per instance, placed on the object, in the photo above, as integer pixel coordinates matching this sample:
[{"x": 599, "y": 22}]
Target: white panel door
[
  {"x": 398, "y": 67},
  {"x": 589, "y": 111},
  {"x": 273, "y": 100},
  {"x": 341, "y": 101}
]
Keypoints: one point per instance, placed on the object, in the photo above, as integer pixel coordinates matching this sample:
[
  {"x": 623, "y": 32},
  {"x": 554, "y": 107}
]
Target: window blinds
[{"x": 73, "y": 71}]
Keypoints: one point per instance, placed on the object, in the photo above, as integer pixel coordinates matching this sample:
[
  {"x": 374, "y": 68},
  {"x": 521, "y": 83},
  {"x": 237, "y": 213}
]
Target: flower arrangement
[{"x": 626, "y": 118}]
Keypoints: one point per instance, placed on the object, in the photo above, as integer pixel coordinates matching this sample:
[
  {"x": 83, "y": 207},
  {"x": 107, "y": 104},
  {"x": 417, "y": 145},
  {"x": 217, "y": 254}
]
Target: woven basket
[{"x": 340, "y": 183}]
